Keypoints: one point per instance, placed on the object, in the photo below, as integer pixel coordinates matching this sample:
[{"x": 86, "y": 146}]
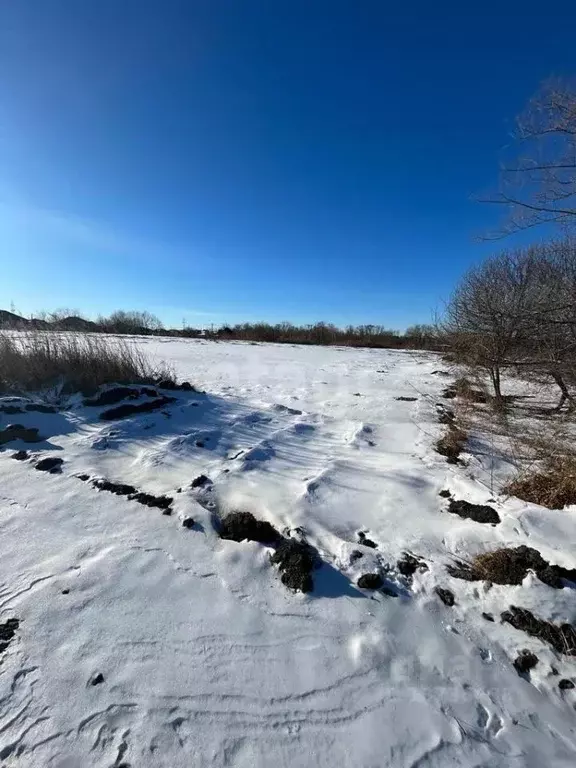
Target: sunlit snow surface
[{"x": 207, "y": 659}]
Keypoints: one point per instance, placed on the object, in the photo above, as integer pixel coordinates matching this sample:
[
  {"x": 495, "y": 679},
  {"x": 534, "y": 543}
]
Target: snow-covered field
[{"x": 207, "y": 659}]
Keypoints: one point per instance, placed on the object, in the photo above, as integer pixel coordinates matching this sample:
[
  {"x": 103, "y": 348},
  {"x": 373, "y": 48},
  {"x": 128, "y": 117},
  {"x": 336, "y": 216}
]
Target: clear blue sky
[{"x": 222, "y": 160}]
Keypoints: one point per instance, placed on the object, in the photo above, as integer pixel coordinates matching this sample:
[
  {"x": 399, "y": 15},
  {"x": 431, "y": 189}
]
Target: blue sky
[{"x": 222, "y": 160}]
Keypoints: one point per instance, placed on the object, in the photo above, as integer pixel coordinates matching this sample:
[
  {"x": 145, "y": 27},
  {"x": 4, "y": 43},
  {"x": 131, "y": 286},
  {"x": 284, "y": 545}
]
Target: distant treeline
[
  {"x": 145, "y": 323},
  {"x": 325, "y": 334}
]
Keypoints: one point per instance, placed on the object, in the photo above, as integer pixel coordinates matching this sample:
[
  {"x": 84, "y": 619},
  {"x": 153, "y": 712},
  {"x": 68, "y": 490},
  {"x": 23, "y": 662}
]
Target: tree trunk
[
  {"x": 495, "y": 377},
  {"x": 563, "y": 389}
]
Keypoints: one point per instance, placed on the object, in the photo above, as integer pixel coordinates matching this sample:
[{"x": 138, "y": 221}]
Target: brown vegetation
[
  {"x": 510, "y": 566},
  {"x": 554, "y": 486},
  {"x": 37, "y": 360},
  {"x": 451, "y": 444}
]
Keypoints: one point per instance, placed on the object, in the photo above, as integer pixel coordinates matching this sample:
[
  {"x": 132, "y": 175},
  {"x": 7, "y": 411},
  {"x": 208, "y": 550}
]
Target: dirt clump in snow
[
  {"x": 20, "y": 455},
  {"x": 480, "y": 513},
  {"x": 452, "y": 443},
  {"x": 362, "y": 538},
  {"x": 7, "y": 632},
  {"x": 370, "y": 581},
  {"x": 114, "y": 395},
  {"x": 40, "y": 408},
  {"x": 296, "y": 561},
  {"x": 119, "y": 489},
  {"x": 149, "y": 500},
  {"x": 525, "y": 661},
  {"x": 19, "y": 432},
  {"x": 446, "y": 415},
  {"x": 446, "y": 595},
  {"x": 562, "y": 637},
  {"x": 406, "y": 399},
  {"x": 126, "y": 410},
  {"x": 408, "y": 564},
  {"x": 243, "y": 526},
  {"x": 51, "y": 464},
  {"x": 565, "y": 684},
  {"x": 10, "y": 410},
  {"x": 133, "y": 494},
  {"x": 510, "y": 566},
  {"x": 201, "y": 481}
]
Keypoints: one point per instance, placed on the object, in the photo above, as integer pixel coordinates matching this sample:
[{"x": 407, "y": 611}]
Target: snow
[{"x": 207, "y": 658}]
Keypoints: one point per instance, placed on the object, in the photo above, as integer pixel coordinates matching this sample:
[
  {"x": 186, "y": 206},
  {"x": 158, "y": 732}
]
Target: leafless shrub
[{"x": 37, "y": 360}]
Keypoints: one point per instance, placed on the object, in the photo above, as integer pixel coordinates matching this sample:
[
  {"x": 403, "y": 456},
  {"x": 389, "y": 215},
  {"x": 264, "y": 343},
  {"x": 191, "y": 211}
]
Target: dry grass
[
  {"x": 553, "y": 486},
  {"x": 464, "y": 389},
  {"x": 70, "y": 362},
  {"x": 452, "y": 443}
]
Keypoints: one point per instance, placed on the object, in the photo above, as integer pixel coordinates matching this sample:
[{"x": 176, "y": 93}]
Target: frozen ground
[{"x": 206, "y": 658}]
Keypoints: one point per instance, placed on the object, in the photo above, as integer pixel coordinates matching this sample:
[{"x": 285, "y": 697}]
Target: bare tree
[
  {"x": 538, "y": 182},
  {"x": 485, "y": 319},
  {"x": 518, "y": 310}
]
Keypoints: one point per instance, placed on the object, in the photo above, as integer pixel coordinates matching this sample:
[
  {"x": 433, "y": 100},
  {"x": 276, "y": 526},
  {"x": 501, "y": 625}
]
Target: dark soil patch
[
  {"x": 408, "y": 564},
  {"x": 98, "y": 679},
  {"x": 243, "y": 526},
  {"x": 525, "y": 661},
  {"x": 296, "y": 561},
  {"x": 406, "y": 399},
  {"x": 10, "y": 410},
  {"x": 167, "y": 384},
  {"x": 356, "y": 555},
  {"x": 510, "y": 566},
  {"x": 366, "y": 542},
  {"x": 446, "y": 596},
  {"x": 480, "y": 513},
  {"x": 565, "y": 685},
  {"x": 562, "y": 637},
  {"x": 133, "y": 409},
  {"x": 113, "y": 396},
  {"x": 133, "y": 494},
  {"x": 488, "y": 616},
  {"x": 201, "y": 481},
  {"x": 188, "y": 522},
  {"x": 446, "y": 416},
  {"x": 149, "y": 392},
  {"x": 84, "y": 477},
  {"x": 51, "y": 464},
  {"x": 187, "y": 387},
  {"x": 41, "y": 408},
  {"x": 370, "y": 581},
  {"x": 149, "y": 500},
  {"x": 445, "y": 494},
  {"x": 7, "y": 632},
  {"x": 19, "y": 432},
  {"x": 449, "y": 393},
  {"x": 20, "y": 455},
  {"x": 119, "y": 489}
]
